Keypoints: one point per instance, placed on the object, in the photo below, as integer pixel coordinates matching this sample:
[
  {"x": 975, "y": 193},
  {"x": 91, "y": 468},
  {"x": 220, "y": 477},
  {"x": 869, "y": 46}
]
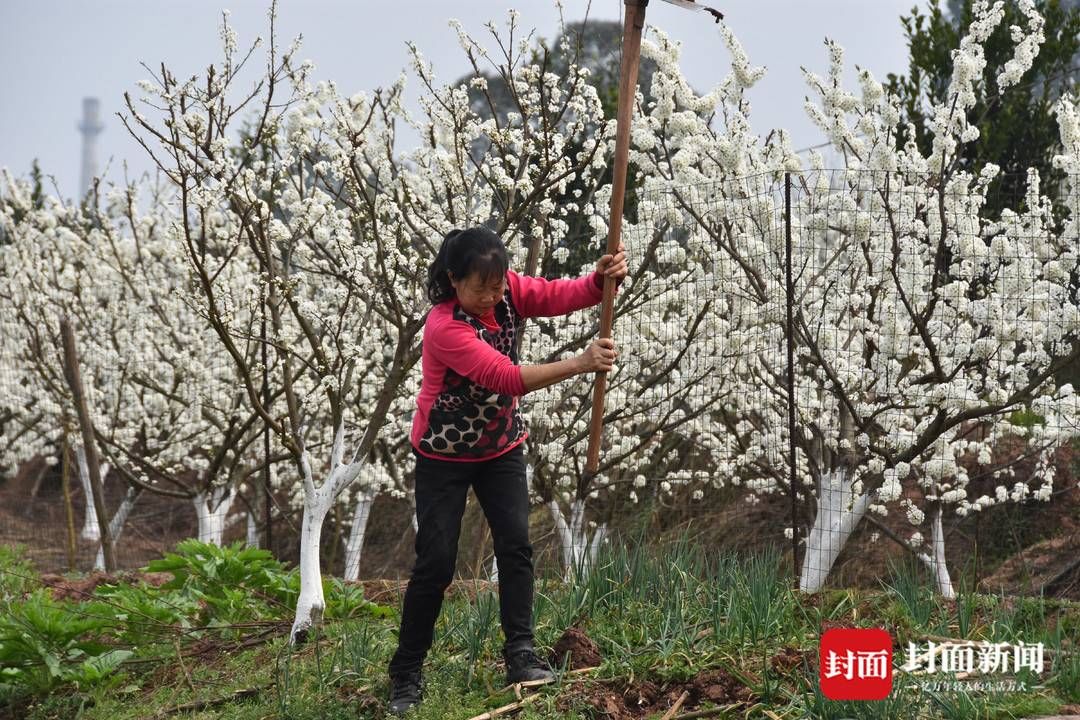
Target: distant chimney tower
[{"x": 90, "y": 127}]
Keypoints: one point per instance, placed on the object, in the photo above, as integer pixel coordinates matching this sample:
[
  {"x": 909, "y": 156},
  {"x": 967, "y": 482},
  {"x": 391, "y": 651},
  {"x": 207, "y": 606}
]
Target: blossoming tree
[
  {"x": 908, "y": 325},
  {"x": 164, "y": 414},
  {"x": 312, "y": 202},
  {"x": 905, "y": 318}
]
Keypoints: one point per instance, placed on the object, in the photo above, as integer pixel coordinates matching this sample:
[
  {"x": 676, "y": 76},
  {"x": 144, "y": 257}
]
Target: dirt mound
[
  {"x": 790, "y": 658},
  {"x": 717, "y": 686},
  {"x": 580, "y": 647},
  {"x": 383, "y": 592},
  {"x": 1048, "y": 566},
  {"x": 81, "y": 588},
  {"x": 618, "y": 700}
]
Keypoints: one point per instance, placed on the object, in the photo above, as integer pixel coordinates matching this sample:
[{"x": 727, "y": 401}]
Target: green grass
[{"x": 661, "y": 615}]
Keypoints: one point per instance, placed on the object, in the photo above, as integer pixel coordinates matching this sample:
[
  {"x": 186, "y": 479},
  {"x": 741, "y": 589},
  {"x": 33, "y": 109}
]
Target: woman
[{"x": 467, "y": 431}]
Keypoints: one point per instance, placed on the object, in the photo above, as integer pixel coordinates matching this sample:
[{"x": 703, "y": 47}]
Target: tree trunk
[
  {"x": 212, "y": 514},
  {"x": 838, "y": 512},
  {"x": 91, "y": 530},
  {"x": 116, "y": 525},
  {"x": 29, "y": 509},
  {"x": 317, "y": 504},
  {"x": 86, "y": 429},
  {"x": 252, "y": 531},
  {"x": 311, "y": 603},
  {"x": 355, "y": 544},
  {"x": 936, "y": 559},
  {"x": 579, "y": 551}
]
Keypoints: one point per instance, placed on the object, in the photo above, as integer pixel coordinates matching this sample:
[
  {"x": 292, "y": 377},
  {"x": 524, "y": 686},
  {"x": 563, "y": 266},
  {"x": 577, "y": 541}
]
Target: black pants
[{"x": 441, "y": 488}]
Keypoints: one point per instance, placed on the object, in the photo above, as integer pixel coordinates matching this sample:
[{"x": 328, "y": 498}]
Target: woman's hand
[
  {"x": 614, "y": 266},
  {"x": 599, "y": 356}
]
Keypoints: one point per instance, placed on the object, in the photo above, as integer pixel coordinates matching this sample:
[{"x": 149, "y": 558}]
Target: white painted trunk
[
  {"x": 839, "y": 510},
  {"x": 936, "y": 561},
  {"x": 252, "y": 531},
  {"x": 579, "y": 551},
  {"x": 317, "y": 503},
  {"x": 116, "y": 526},
  {"x": 414, "y": 519},
  {"x": 311, "y": 603},
  {"x": 211, "y": 513},
  {"x": 355, "y": 544},
  {"x": 90, "y": 529},
  {"x": 598, "y": 539}
]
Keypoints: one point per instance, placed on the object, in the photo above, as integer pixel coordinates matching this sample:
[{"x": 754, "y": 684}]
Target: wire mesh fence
[{"x": 851, "y": 366}]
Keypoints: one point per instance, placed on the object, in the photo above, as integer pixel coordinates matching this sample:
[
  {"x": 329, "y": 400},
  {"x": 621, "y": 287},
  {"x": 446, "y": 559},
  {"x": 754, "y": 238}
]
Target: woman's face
[{"x": 478, "y": 295}]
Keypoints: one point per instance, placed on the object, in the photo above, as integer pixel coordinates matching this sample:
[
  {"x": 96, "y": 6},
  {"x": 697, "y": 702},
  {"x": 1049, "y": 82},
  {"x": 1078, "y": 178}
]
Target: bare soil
[
  {"x": 582, "y": 651},
  {"x": 1050, "y": 564},
  {"x": 622, "y": 700},
  {"x": 82, "y": 587},
  {"x": 788, "y": 658}
]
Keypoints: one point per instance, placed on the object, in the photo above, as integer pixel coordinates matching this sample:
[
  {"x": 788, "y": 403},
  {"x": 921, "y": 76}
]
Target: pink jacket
[{"x": 467, "y": 408}]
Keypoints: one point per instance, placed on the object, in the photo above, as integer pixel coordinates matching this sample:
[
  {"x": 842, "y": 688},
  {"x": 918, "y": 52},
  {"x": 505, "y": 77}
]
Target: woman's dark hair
[{"x": 462, "y": 253}]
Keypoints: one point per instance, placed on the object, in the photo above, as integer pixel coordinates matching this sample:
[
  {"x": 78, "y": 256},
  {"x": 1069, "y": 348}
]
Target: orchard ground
[{"x": 652, "y": 626}]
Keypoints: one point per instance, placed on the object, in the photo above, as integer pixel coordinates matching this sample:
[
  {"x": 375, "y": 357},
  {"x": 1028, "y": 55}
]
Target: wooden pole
[
  {"x": 69, "y": 511},
  {"x": 71, "y": 373},
  {"x": 631, "y": 54},
  {"x": 789, "y": 298},
  {"x": 268, "y": 490}
]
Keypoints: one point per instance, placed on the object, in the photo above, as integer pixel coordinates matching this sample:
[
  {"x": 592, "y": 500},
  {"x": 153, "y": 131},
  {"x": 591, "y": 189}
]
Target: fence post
[
  {"x": 267, "y": 490},
  {"x": 69, "y": 511},
  {"x": 789, "y": 331},
  {"x": 71, "y": 373}
]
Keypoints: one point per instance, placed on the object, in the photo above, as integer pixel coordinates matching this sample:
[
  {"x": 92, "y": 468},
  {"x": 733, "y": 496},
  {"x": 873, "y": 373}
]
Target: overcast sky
[{"x": 55, "y": 52}]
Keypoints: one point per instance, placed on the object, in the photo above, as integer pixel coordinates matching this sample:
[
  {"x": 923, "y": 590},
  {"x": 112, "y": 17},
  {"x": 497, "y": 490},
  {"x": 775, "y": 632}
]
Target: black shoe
[
  {"x": 525, "y": 666},
  {"x": 405, "y": 691}
]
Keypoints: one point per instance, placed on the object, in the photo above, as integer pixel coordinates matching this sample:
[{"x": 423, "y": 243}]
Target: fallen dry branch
[
  {"x": 200, "y": 705},
  {"x": 516, "y": 687},
  {"x": 675, "y": 708},
  {"x": 505, "y": 709}
]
